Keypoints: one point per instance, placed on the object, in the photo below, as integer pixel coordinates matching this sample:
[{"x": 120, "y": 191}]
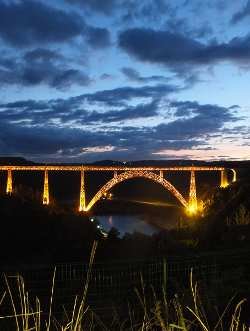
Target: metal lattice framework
[
  {"x": 46, "y": 188},
  {"x": 9, "y": 187},
  {"x": 104, "y": 168},
  {"x": 125, "y": 173},
  {"x": 192, "y": 203},
  {"x": 118, "y": 178},
  {"x": 82, "y": 193}
]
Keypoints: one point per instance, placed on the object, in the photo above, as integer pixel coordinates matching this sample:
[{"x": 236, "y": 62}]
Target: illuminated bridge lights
[
  {"x": 46, "y": 188},
  {"x": 192, "y": 207},
  {"x": 9, "y": 186},
  {"x": 104, "y": 168},
  {"x": 82, "y": 203},
  {"x": 120, "y": 174},
  {"x": 224, "y": 181},
  {"x": 195, "y": 209},
  {"x": 234, "y": 176},
  {"x": 135, "y": 174}
]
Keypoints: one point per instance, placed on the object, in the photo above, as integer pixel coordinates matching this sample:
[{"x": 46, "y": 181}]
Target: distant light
[
  {"x": 92, "y": 219},
  {"x": 98, "y": 226}
]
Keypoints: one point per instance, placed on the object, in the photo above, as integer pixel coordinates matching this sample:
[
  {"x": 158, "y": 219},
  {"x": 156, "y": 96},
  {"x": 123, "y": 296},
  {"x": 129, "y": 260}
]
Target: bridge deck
[{"x": 105, "y": 168}]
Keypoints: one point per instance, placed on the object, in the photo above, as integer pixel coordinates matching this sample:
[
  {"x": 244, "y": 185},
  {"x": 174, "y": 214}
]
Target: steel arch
[{"x": 135, "y": 174}]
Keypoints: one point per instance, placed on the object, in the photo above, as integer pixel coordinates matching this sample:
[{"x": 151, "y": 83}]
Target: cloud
[
  {"x": 117, "y": 96},
  {"x": 41, "y": 66},
  {"x": 146, "y": 12},
  {"x": 129, "y": 10},
  {"x": 134, "y": 75},
  {"x": 243, "y": 13},
  {"x": 128, "y": 113},
  {"x": 193, "y": 108},
  {"x": 183, "y": 26},
  {"x": 23, "y": 23},
  {"x": 97, "y": 37},
  {"x": 98, "y": 149},
  {"x": 41, "y": 55},
  {"x": 173, "y": 49},
  {"x": 106, "y": 76},
  {"x": 206, "y": 120},
  {"x": 65, "y": 143},
  {"x": 44, "y": 129},
  {"x": 29, "y": 22},
  {"x": 63, "y": 112},
  {"x": 100, "y": 6}
]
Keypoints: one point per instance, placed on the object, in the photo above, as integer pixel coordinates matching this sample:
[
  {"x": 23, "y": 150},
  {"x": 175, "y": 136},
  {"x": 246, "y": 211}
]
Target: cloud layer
[
  {"x": 172, "y": 48},
  {"x": 54, "y": 129},
  {"x": 30, "y": 22},
  {"x": 91, "y": 79}
]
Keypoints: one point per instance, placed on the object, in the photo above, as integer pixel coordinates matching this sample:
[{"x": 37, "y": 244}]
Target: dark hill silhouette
[
  {"x": 227, "y": 223},
  {"x": 178, "y": 162},
  {"x": 7, "y": 160},
  {"x": 33, "y": 233}
]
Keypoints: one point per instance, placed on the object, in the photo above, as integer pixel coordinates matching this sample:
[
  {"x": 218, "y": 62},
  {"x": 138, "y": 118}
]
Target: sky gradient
[{"x": 87, "y": 80}]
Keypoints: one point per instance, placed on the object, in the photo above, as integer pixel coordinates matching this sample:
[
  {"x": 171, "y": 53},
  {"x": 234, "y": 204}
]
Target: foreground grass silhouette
[{"x": 161, "y": 313}]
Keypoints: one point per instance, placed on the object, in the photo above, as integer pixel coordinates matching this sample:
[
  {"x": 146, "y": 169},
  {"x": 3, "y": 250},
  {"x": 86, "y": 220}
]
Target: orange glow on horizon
[{"x": 223, "y": 151}]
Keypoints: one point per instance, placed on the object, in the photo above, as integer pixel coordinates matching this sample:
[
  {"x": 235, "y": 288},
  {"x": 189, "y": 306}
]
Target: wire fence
[{"x": 114, "y": 282}]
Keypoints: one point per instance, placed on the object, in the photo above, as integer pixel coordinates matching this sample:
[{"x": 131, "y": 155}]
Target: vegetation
[
  {"x": 33, "y": 234},
  {"x": 158, "y": 311}
]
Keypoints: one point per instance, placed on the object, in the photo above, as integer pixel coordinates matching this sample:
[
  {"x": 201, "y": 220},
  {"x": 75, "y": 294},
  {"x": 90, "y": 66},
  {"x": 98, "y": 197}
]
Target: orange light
[
  {"x": 9, "y": 188},
  {"x": 195, "y": 208},
  {"x": 224, "y": 184},
  {"x": 192, "y": 209},
  {"x": 46, "y": 188}
]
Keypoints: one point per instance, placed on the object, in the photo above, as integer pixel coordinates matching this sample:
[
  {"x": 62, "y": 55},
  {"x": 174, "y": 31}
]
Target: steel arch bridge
[
  {"x": 135, "y": 174},
  {"x": 120, "y": 174}
]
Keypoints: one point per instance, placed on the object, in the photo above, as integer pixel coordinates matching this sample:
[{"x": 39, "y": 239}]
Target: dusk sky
[{"x": 87, "y": 80}]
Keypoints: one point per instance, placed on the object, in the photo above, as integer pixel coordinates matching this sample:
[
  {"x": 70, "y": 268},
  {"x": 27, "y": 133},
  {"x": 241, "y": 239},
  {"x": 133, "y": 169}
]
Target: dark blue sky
[{"x": 85, "y": 80}]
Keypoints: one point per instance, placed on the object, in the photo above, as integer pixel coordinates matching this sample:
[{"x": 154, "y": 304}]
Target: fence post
[{"x": 164, "y": 274}]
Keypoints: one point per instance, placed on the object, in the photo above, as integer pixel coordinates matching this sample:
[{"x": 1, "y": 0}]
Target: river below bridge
[
  {"x": 135, "y": 215},
  {"x": 151, "y": 217}
]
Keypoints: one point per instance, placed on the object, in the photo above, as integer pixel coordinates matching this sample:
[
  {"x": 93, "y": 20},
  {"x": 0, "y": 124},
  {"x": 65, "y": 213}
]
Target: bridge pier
[
  {"x": 9, "y": 186},
  {"x": 46, "y": 188},
  {"x": 223, "y": 180},
  {"x": 192, "y": 202},
  {"x": 82, "y": 204}
]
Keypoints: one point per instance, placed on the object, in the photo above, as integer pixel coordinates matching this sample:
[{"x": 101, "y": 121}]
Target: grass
[{"x": 157, "y": 313}]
